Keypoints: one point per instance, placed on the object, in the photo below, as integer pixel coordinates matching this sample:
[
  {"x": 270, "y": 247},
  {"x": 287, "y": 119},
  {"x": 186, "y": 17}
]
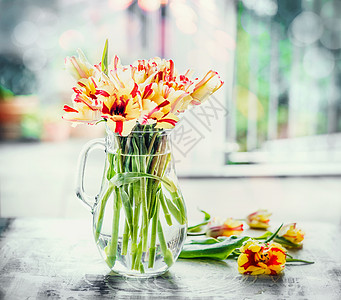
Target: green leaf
[
  {"x": 234, "y": 255},
  {"x": 215, "y": 251},
  {"x": 130, "y": 177},
  {"x": 286, "y": 243},
  {"x": 281, "y": 240},
  {"x": 197, "y": 227},
  {"x": 111, "y": 170},
  {"x": 206, "y": 241},
  {"x": 164, "y": 207},
  {"x": 178, "y": 201},
  {"x": 207, "y": 215},
  {"x": 105, "y": 58},
  {"x": 264, "y": 236},
  {"x": 175, "y": 212}
]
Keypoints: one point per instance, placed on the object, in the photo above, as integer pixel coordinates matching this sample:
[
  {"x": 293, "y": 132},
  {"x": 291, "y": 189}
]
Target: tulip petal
[{"x": 69, "y": 109}]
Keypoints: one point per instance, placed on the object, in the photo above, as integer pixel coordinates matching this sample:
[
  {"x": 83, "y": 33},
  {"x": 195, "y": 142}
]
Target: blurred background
[{"x": 269, "y": 138}]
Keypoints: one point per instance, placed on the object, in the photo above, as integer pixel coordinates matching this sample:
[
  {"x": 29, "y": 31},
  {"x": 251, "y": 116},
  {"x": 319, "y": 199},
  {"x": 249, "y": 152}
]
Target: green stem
[
  {"x": 119, "y": 155},
  {"x": 151, "y": 144},
  {"x": 137, "y": 210},
  {"x": 178, "y": 201},
  {"x": 152, "y": 248},
  {"x": 137, "y": 262},
  {"x": 101, "y": 211},
  {"x": 141, "y": 268},
  {"x": 299, "y": 260},
  {"x": 125, "y": 239},
  {"x": 269, "y": 239},
  {"x": 126, "y": 150},
  {"x": 175, "y": 212},
  {"x": 111, "y": 249},
  {"x": 164, "y": 208},
  {"x": 167, "y": 254},
  {"x": 196, "y": 234},
  {"x": 145, "y": 222},
  {"x": 135, "y": 229},
  {"x": 159, "y": 169}
]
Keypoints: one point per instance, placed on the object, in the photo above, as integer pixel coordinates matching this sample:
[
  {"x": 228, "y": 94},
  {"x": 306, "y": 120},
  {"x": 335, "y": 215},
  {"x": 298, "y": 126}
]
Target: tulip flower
[
  {"x": 85, "y": 91},
  {"x": 79, "y": 67},
  {"x": 292, "y": 234},
  {"x": 121, "y": 110},
  {"x": 206, "y": 87},
  {"x": 155, "y": 69},
  {"x": 259, "y": 219},
  {"x": 81, "y": 113},
  {"x": 120, "y": 77},
  {"x": 257, "y": 258},
  {"x": 86, "y": 105},
  {"x": 159, "y": 105},
  {"x": 228, "y": 228}
]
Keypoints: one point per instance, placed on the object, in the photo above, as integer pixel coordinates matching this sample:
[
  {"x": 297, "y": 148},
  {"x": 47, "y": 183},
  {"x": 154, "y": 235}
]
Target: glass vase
[{"x": 139, "y": 215}]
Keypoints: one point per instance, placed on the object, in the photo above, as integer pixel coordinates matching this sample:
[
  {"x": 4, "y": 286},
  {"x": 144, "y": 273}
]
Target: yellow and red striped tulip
[
  {"x": 86, "y": 105},
  {"x": 79, "y": 67},
  {"x": 259, "y": 219},
  {"x": 228, "y": 228},
  {"x": 205, "y": 87},
  {"x": 257, "y": 258},
  {"x": 159, "y": 104},
  {"x": 121, "y": 110},
  {"x": 291, "y": 233}
]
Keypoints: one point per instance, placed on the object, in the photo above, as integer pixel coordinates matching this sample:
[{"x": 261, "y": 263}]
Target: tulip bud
[
  {"x": 259, "y": 219},
  {"x": 228, "y": 228},
  {"x": 292, "y": 234},
  {"x": 79, "y": 67},
  {"x": 206, "y": 87}
]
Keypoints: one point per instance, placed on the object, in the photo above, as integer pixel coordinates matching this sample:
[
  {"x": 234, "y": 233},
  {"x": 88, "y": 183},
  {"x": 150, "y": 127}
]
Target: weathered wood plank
[{"x": 58, "y": 259}]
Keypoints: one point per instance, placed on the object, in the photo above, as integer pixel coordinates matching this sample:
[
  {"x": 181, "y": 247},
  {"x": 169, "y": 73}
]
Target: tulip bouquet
[
  {"x": 139, "y": 103},
  {"x": 147, "y": 92}
]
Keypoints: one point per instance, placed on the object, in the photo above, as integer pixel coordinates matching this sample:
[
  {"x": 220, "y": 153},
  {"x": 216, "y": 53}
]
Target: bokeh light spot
[
  {"x": 186, "y": 26},
  {"x": 182, "y": 10},
  {"x": 250, "y": 26},
  {"x": 331, "y": 39},
  {"x": 318, "y": 62},
  {"x": 25, "y": 33},
  {"x": 330, "y": 14},
  {"x": 306, "y": 28},
  {"x": 216, "y": 51},
  {"x": 71, "y": 39},
  {"x": 149, "y": 5},
  {"x": 225, "y": 40},
  {"x": 119, "y": 4},
  {"x": 34, "y": 59},
  {"x": 262, "y": 8},
  {"x": 244, "y": 97}
]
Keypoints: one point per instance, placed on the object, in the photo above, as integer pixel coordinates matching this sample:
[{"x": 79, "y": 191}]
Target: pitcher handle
[{"x": 80, "y": 191}]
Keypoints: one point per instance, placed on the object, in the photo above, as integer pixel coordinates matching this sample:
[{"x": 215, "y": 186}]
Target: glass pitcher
[{"x": 139, "y": 215}]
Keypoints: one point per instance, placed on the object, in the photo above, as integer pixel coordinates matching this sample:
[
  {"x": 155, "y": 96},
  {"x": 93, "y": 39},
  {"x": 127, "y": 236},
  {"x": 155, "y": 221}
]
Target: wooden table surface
[{"x": 58, "y": 259}]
